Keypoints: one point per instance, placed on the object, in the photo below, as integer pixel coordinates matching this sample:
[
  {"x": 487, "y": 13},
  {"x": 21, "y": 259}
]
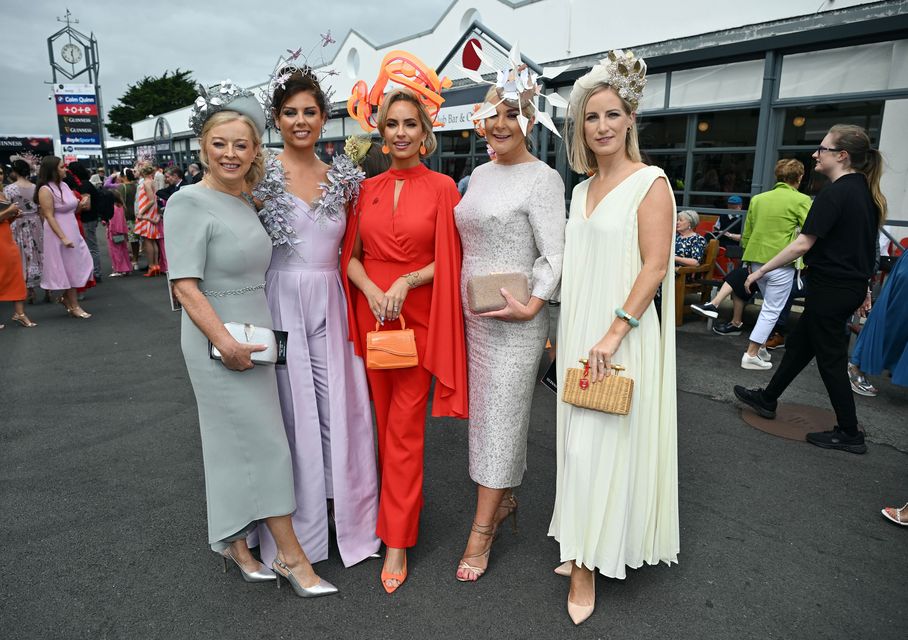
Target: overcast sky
[{"x": 236, "y": 39}]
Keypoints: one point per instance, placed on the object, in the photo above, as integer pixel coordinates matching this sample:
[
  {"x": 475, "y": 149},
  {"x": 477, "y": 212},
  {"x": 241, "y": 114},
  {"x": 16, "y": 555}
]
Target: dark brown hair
[
  {"x": 300, "y": 80},
  {"x": 48, "y": 173},
  {"x": 21, "y": 168}
]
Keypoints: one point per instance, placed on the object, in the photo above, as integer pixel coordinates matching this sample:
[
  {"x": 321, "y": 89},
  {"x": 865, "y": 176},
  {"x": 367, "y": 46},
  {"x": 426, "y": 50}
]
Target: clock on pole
[{"x": 74, "y": 57}]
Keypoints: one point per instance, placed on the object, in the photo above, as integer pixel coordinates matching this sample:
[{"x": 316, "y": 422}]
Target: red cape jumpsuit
[{"x": 395, "y": 242}]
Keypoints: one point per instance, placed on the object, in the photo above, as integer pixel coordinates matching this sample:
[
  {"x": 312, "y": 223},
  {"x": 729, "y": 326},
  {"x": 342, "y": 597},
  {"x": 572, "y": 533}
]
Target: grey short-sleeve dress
[
  {"x": 511, "y": 219},
  {"x": 218, "y": 239}
]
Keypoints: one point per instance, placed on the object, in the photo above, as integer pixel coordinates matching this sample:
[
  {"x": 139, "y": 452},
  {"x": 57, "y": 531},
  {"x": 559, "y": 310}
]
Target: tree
[{"x": 150, "y": 96}]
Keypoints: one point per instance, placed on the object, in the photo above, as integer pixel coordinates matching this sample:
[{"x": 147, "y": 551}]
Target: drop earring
[
  {"x": 385, "y": 150},
  {"x": 422, "y": 149}
]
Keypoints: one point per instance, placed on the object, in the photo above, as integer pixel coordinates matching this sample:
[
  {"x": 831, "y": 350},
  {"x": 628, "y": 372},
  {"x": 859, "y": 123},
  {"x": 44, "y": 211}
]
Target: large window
[
  {"x": 707, "y": 156},
  {"x": 804, "y": 128},
  {"x": 458, "y": 153}
]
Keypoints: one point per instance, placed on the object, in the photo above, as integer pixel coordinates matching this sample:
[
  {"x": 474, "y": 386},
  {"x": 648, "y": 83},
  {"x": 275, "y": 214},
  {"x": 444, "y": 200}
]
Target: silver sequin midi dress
[{"x": 510, "y": 220}]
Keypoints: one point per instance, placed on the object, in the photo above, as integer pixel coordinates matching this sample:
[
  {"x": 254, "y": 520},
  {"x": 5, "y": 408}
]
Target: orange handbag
[{"x": 393, "y": 349}]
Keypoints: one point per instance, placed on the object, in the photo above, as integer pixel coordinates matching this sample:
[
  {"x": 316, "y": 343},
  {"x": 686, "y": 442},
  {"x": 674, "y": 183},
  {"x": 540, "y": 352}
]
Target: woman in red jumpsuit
[{"x": 402, "y": 256}]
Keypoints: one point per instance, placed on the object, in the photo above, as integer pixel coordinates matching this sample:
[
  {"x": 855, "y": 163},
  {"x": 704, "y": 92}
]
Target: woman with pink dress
[
  {"x": 118, "y": 239},
  {"x": 67, "y": 262},
  {"x": 323, "y": 390}
]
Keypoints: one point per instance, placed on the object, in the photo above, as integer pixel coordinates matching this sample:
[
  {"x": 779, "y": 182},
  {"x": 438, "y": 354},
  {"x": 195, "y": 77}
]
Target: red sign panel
[{"x": 77, "y": 109}]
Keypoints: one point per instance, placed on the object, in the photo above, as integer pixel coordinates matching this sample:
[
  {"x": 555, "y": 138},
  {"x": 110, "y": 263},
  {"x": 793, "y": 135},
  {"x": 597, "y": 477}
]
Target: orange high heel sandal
[{"x": 387, "y": 576}]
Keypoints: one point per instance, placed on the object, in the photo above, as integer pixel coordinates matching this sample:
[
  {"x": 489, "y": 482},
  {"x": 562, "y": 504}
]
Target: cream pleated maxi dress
[{"x": 616, "y": 496}]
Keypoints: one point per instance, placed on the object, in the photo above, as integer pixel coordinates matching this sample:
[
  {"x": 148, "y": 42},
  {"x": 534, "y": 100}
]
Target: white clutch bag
[{"x": 276, "y": 341}]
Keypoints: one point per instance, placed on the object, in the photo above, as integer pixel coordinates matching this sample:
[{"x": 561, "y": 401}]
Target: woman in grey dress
[
  {"x": 511, "y": 220},
  {"x": 218, "y": 254}
]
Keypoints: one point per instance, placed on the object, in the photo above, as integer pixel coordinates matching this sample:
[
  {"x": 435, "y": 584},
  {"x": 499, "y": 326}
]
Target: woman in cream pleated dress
[{"x": 616, "y": 500}]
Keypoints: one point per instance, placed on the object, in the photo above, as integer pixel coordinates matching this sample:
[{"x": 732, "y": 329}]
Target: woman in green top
[{"x": 773, "y": 220}]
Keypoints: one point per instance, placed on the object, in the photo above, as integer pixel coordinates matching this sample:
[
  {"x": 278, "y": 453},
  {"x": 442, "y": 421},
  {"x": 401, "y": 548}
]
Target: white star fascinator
[{"x": 517, "y": 83}]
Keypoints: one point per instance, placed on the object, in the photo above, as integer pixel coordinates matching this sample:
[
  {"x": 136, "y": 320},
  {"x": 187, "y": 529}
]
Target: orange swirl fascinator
[{"x": 405, "y": 69}]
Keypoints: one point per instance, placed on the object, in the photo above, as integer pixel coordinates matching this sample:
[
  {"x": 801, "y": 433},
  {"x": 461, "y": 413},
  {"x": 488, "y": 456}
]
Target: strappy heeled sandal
[
  {"x": 894, "y": 514},
  {"x": 22, "y": 319},
  {"x": 489, "y": 531},
  {"x": 508, "y": 506}
]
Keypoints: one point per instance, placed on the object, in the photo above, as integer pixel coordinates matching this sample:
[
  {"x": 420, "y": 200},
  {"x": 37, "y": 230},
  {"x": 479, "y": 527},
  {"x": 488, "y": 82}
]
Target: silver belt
[{"x": 232, "y": 292}]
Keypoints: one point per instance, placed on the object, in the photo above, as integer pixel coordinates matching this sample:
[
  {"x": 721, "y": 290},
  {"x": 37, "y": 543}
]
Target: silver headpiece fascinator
[
  {"x": 517, "y": 83},
  {"x": 621, "y": 70},
  {"x": 292, "y": 63},
  {"x": 225, "y": 96}
]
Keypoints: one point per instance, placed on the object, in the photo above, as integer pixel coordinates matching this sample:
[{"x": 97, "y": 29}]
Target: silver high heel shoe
[
  {"x": 260, "y": 575},
  {"x": 323, "y": 588}
]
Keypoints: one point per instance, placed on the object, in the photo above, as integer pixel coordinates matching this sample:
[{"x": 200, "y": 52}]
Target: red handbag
[{"x": 391, "y": 349}]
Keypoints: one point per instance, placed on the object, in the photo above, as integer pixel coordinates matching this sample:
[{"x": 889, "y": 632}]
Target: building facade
[{"x": 729, "y": 91}]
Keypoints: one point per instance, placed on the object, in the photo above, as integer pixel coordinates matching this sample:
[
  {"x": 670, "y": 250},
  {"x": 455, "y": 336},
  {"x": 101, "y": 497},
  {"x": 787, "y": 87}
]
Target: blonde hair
[
  {"x": 789, "y": 171},
  {"x": 864, "y": 158},
  {"x": 406, "y": 95},
  {"x": 145, "y": 169},
  {"x": 493, "y": 95},
  {"x": 257, "y": 170},
  {"x": 580, "y": 156}
]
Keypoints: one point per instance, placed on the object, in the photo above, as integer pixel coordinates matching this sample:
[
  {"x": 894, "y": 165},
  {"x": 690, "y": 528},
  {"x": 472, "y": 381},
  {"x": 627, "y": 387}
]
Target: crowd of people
[
  {"x": 374, "y": 281},
  {"x": 826, "y": 251},
  {"x": 50, "y": 213}
]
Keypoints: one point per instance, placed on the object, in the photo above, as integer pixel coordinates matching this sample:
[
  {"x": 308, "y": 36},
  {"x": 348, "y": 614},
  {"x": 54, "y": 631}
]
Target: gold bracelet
[{"x": 412, "y": 279}]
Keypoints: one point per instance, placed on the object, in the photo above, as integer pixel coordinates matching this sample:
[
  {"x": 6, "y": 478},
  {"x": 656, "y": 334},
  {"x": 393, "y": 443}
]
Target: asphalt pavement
[{"x": 104, "y": 534}]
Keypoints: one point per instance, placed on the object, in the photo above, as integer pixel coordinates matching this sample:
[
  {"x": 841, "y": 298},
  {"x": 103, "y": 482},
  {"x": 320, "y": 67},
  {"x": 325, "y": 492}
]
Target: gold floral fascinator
[
  {"x": 225, "y": 96},
  {"x": 517, "y": 83},
  {"x": 619, "y": 69},
  {"x": 341, "y": 187}
]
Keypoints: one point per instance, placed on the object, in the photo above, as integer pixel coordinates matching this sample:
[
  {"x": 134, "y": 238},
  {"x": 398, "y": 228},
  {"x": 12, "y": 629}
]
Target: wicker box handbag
[
  {"x": 392, "y": 349},
  {"x": 611, "y": 395}
]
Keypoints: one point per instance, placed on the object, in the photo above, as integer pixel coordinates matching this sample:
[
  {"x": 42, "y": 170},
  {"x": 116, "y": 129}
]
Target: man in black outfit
[
  {"x": 838, "y": 244},
  {"x": 174, "y": 179}
]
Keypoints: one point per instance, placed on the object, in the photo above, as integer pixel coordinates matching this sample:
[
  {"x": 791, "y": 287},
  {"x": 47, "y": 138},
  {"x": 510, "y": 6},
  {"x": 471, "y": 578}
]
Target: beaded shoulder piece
[
  {"x": 277, "y": 212},
  {"x": 342, "y": 187}
]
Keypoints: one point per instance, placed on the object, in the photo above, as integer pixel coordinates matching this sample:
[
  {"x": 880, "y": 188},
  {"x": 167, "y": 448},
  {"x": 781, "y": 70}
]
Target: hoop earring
[
  {"x": 385, "y": 150},
  {"x": 422, "y": 149}
]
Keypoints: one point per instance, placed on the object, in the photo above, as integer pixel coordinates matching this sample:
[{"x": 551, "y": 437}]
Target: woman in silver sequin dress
[{"x": 511, "y": 220}]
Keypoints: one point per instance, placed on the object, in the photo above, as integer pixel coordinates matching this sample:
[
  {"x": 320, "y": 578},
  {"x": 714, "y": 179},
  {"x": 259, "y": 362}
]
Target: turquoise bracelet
[{"x": 628, "y": 318}]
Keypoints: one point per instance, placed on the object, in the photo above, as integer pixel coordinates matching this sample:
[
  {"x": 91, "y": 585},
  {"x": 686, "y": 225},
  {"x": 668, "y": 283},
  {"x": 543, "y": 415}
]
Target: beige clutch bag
[
  {"x": 484, "y": 292},
  {"x": 611, "y": 395}
]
